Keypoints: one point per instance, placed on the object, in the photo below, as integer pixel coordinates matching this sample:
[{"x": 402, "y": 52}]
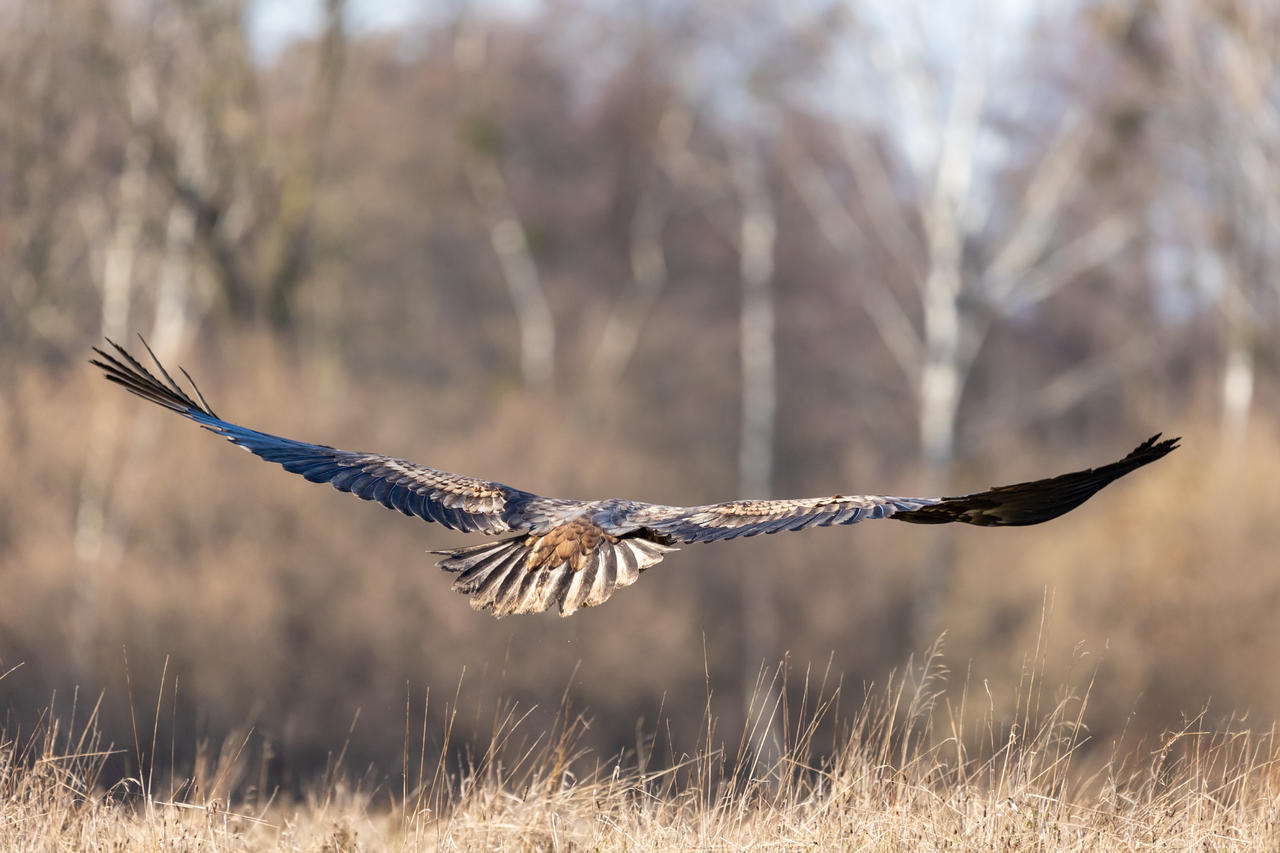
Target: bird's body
[{"x": 570, "y": 554}]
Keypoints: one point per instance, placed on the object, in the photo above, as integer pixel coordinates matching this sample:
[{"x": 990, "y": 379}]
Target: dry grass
[{"x": 903, "y": 774}]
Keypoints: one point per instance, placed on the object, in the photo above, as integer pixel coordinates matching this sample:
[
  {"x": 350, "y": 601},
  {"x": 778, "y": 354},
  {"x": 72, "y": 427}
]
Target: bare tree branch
[
  {"x": 1048, "y": 190},
  {"x": 519, "y": 271},
  {"x": 842, "y": 231},
  {"x": 1065, "y": 390},
  {"x": 1090, "y": 250},
  {"x": 1226, "y": 67},
  {"x": 295, "y": 230},
  {"x": 884, "y": 205},
  {"x": 648, "y": 259}
]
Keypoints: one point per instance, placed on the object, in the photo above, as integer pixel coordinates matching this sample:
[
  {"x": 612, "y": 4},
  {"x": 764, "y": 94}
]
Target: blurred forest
[{"x": 670, "y": 251}]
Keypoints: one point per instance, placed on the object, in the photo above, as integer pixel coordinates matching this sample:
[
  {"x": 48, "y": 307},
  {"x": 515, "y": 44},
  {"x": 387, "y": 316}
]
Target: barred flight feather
[{"x": 500, "y": 577}]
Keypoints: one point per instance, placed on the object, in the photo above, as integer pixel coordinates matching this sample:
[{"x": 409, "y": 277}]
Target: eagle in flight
[{"x": 570, "y": 553}]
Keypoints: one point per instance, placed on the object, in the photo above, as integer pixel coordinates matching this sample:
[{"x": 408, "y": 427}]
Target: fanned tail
[{"x": 497, "y": 576}]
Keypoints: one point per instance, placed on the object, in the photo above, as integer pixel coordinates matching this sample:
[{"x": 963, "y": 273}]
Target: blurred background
[{"x": 670, "y": 251}]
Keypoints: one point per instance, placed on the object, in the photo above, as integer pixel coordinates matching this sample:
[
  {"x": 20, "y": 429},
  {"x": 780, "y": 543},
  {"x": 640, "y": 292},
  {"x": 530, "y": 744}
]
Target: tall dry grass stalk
[{"x": 900, "y": 771}]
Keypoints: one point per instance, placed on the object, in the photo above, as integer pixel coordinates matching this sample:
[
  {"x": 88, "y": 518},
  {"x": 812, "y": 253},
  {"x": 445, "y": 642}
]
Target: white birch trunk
[
  {"x": 944, "y": 367},
  {"x": 759, "y": 392},
  {"x": 940, "y": 374},
  {"x": 757, "y": 239},
  {"x": 1238, "y": 368},
  {"x": 941, "y": 380},
  {"x": 93, "y": 540}
]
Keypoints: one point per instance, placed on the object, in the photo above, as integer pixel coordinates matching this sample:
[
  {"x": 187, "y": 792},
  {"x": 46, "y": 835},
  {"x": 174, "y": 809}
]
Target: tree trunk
[
  {"x": 93, "y": 536},
  {"x": 757, "y": 243},
  {"x": 940, "y": 383},
  {"x": 1237, "y": 373}
]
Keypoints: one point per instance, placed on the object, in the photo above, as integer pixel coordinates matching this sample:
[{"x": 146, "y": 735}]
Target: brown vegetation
[
  {"x": 602, "y": 251},
  {"x": 302, "y": 607},
  {"x": 896, "y": 775}
]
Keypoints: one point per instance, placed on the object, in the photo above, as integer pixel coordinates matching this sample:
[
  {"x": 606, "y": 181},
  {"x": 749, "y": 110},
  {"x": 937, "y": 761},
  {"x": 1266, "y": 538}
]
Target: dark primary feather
[
  {"x": 1039, "y": 500},
  {"x": 457, "y": 502},
  {"x": 573, "y": 554}
]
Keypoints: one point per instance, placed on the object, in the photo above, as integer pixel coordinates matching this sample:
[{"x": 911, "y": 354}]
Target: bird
[{"x": 570, "y": 554}]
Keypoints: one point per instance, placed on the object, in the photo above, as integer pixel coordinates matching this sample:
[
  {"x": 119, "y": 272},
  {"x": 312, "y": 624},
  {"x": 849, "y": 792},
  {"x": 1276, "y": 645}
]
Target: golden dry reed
[{"x": 895, "y": 769}]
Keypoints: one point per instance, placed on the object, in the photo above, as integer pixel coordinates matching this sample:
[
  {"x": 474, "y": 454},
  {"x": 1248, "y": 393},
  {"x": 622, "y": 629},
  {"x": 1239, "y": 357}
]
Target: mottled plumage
[{"x": 570, "y": 554}]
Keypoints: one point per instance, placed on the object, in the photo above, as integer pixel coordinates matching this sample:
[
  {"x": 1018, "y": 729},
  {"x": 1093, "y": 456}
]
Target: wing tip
[
  {"x": 1154, "y": 448},
  {"x": 1037, "y": 501},
  {"x": 129, "y": 373}
]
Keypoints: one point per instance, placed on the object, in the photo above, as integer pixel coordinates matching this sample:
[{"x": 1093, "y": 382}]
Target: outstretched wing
[
  {"x": 1040, "y": 500},
  {"x": 1003, "y": 506},
  {"x": 457, "y": 502}
]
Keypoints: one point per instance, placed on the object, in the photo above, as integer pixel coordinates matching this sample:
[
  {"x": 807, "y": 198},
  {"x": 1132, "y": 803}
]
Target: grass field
[{"x": 897, "y": 770}]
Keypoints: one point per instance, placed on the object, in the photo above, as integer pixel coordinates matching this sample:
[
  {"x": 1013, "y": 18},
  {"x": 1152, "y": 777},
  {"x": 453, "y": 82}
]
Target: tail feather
[{"x": 496, "y": 575}]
